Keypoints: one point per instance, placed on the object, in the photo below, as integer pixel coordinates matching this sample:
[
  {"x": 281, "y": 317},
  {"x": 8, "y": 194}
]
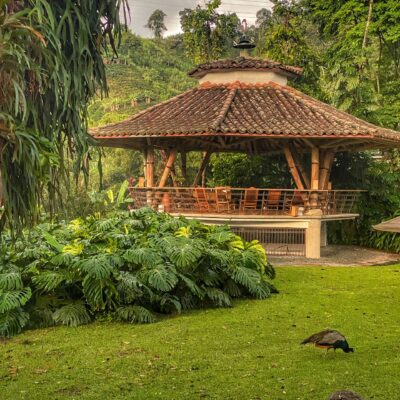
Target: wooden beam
[
  {"x": 2, "y": 196},
  {"x": 300, "y": 166},
  {"x": 327, "y": 181},
  {"x": 167, "y": 169},
  {"x": 145, "y": 166},
  {"x": 150, "y": 167},
  {"x": 325, "y": 166},
  {"x": 315, "y": 168},
  {"x": 204, "y": 163},
  {"x": 293, "y": 169},
  {"x": 184, "y": 166}
]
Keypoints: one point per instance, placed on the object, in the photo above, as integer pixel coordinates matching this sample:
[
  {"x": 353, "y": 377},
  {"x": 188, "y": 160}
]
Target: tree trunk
[
  {"x": 365, "y": 40},
  {"x": 204, "y": 163}
]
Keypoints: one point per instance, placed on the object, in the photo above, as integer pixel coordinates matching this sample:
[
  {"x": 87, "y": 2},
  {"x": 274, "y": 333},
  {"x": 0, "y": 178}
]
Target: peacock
[
  {"x": 329, "y": 339},
  {"x": 345, "y": 395}
]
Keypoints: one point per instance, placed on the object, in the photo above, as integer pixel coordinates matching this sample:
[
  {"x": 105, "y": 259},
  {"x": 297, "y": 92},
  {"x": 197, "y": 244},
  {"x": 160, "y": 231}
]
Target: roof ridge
[{"x": 225, "y": 108}]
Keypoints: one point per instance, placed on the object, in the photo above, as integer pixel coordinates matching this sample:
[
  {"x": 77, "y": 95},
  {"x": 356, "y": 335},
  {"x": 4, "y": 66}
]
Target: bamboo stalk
[
  {"x": 204, "y": 163},
  {"x": 150, "y": 167},
  {"x": 300, "y": 166},
  {"x": 168, "y": 167},
  {"x": 315, "y": 168},
  {"x": 324, "y": 171},
  {"x": 184, "y": 166},
  {"x": 293, "y": 169}
]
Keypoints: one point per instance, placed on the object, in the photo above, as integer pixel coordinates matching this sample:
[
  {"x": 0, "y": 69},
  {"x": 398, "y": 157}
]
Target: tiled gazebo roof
[
  {"x": 392, "y": 225},
  {"x": 269, "y": 111},
  {"x": 244, "y": 63}
]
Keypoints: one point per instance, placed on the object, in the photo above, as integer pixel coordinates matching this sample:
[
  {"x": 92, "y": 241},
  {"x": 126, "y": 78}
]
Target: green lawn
[{"x": 251, "y": 351}]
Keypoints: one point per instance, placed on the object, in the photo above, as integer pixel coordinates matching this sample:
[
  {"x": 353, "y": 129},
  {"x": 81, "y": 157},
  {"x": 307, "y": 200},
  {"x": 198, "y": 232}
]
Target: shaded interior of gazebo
[{"x": 245, "y": 105}]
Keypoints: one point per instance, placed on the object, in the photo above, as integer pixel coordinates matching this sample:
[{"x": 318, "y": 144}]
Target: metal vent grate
[{"x": 276, "y": 241}]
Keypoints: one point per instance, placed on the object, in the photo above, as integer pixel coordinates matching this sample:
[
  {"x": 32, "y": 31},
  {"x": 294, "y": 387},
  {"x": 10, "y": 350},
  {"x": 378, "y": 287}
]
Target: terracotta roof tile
[
  {"x": 237, "y": 109},
  {"x": 243, "y": 63}
]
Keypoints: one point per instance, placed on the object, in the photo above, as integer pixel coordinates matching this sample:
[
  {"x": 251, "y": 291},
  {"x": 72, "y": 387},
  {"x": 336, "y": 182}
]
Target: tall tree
[
  {"x": 206, "y": 33},
  {"x": 50, "y": 67},
  {"x": 156, "y": 23}
]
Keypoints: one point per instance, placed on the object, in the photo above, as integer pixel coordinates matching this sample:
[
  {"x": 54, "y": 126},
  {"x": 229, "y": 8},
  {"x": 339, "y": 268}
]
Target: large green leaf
[
  {"x": 161, "y": 278},
  {"x": 14, "y": 299},
  {"x": 73, "y": 314}
]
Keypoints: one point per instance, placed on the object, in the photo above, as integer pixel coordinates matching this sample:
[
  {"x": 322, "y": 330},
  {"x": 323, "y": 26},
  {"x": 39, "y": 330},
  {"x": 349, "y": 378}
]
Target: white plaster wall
[{"x": 251, "y": 77}]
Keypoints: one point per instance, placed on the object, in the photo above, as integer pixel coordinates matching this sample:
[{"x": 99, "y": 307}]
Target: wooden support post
[
  {"x": 324, "y": 172},
  {"x": 150, "y": 167},
  {"x": 183, "y": 166},
  {"x": 204, "y": 163},
  {"x": 315, "y": 168},
  {"x": 332, "y": 159},
  {"x": 168, "y": 167},
  {"x": 293, "y": 169},
  {"x": 145, "y": 167},
  {"x": 300, "y": 166}
]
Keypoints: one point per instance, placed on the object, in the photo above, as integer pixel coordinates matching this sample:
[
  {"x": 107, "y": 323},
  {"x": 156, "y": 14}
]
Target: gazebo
[
  {"x": 393, "y": 226},
  {"x": 245, "y": 105}
]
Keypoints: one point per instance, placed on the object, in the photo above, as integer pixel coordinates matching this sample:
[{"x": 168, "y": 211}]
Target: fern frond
[
  {"x": 14, "y": 299},
  {"x": 135, "y": 314},
  {"x": 218, "y": 297},
  {"x": 73, "y": 314}
]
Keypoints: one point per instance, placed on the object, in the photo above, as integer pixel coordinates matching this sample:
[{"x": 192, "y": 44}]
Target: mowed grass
[{"x": 250, "y": 351}]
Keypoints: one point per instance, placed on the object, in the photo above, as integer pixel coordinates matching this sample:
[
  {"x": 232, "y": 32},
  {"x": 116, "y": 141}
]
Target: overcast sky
[{"x": 142, "y": 9}]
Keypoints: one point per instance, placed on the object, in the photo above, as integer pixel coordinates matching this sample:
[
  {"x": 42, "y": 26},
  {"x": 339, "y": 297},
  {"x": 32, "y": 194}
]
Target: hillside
[{"x": 146, "y": 72}]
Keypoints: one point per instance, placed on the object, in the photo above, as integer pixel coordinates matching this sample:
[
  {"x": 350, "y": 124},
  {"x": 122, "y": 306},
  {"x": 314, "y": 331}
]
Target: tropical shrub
[{"x": 128, "y": 267}]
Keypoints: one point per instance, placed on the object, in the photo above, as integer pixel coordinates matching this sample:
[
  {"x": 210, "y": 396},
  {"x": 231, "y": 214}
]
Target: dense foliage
[
  {"x": 156, "y": 23},
  {"x": 50, "y": 67},
  {"x": 129, "y": 267},
  {"x": 207, "y": 34}
]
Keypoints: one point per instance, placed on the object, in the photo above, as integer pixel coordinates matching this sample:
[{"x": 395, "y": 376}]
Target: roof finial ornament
[{"x": 244, "y": 44}]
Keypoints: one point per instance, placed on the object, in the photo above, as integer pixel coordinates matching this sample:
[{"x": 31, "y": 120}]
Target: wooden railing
[{"x": 255, "y": 201}]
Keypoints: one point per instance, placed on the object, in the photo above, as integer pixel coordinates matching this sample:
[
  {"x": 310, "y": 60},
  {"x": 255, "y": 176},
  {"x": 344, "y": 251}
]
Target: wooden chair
[
  {"x": 223, "y": 198},
  {"x": 250, "y": 200},
  {"x": 273, "y": 203},
  {"x": 201, "y": 198}
]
